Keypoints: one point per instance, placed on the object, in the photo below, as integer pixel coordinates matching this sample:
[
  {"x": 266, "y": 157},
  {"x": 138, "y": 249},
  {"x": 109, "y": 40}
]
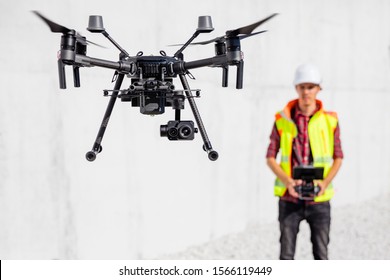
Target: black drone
[{"x": 152, "y": 88}]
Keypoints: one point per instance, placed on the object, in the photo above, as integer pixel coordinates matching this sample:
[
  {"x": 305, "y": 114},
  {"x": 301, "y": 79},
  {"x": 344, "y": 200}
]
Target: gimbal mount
[{"x": 152, "y": 87}]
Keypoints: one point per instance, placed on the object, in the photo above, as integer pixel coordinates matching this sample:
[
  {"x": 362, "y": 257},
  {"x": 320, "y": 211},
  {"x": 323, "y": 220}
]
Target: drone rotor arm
[
  {"x": 122, "y": 66},
  {"x": 181, "y": 67}
]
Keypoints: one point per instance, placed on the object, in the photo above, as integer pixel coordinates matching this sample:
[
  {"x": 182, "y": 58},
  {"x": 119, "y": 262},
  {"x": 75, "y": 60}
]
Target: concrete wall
[{"x": 145, "y": 196}]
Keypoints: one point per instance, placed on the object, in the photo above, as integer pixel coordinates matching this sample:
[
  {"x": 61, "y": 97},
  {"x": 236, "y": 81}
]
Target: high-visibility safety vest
[{"x": 321, "y": 136}]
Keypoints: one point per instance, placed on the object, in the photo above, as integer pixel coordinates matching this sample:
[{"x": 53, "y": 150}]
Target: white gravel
[{"x": 358, "y": 232}]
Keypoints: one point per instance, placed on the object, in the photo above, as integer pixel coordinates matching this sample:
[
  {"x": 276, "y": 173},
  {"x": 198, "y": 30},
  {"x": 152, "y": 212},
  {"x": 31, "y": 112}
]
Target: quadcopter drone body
[{"x": 152, "y": 77}]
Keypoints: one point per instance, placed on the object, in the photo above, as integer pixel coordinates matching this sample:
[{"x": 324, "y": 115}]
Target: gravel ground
[{"x": 358, "y": 232}]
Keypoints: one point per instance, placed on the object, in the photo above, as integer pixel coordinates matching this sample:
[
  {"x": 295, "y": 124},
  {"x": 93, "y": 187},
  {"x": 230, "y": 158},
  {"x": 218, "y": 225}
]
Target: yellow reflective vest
[{"x": 321, "y": 136}]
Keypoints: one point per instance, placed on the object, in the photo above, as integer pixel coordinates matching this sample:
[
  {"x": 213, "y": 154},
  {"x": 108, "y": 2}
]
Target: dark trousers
[{"x": 318, "y": 218}]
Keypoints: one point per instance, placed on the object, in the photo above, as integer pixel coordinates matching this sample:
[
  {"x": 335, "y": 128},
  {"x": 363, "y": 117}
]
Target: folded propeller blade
[
  {"x": 57, "y": 28},
  {"x": 54, "y": 27},
  {"x": 246, "y": 30},
  {"x": 250, "y": 35}
]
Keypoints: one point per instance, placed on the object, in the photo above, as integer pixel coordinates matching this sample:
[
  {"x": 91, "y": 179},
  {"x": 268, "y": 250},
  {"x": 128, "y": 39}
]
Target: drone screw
[
  {"x": 213, "y": 155},
  {"x": 90, "y": 156}
]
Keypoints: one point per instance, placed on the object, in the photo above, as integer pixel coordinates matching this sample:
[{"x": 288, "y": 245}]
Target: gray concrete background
[
  {"x": 359, "y": 231},
  {"x": 146, "y": 197}
]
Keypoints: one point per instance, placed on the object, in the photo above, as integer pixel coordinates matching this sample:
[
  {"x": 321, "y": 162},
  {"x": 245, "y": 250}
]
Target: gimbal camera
[
  {"x": 308, "y": 173},
  {"x": 152, "y": 88}
]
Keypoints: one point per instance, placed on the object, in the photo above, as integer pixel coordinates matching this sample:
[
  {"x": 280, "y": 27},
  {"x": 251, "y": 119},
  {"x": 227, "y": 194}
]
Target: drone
[{"x": 152, "y": 88}]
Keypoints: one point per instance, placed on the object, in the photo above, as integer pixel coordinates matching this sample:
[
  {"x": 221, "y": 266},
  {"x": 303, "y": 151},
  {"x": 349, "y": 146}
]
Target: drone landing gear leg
[
  {"x": 97, "y": 148},
  {"x": 213, "y": 155}
]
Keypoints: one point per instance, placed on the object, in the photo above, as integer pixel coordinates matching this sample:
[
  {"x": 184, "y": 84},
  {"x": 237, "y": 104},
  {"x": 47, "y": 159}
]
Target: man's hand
[
  {"x": 289, "y": 182},
  {"x": 332, "y": 173},
  {"x": 323, "y": 184},
  {"x": 290, "y": 185}
]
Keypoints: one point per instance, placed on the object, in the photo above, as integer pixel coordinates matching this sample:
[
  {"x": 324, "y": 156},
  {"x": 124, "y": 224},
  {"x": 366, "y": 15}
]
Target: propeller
[
  {"x": 241, "y": 33},
  {"x": 54, "y": 27},
  {"x": 80, "y": 38},
  {"x": 222, "y": 39},
  {"x": 57, "y": 28},
  {"x": 249, "y": 28}
]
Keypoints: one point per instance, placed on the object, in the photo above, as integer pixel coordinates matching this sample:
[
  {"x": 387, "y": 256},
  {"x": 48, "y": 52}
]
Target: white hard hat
[{"x": 307, "y": 73}]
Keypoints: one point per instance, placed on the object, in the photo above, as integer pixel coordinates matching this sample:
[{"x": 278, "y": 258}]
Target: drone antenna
[
  {"x": 205, "y": 25},
  {"x": 115, "y": 43},
  {"x": 186, "y": 44},
  {"x": 95, "y": 25}
]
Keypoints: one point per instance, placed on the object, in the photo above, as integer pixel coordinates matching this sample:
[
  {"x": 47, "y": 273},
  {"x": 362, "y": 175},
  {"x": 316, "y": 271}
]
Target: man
[{"x": 306, "y": 135}]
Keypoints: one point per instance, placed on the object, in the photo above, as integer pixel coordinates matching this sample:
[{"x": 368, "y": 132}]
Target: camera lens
[
  {"x": 185, "y": 131},
  {"x": 172, "y": 132}
]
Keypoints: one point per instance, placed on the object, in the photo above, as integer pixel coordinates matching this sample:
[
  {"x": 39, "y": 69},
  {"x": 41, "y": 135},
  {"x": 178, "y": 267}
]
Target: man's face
[{"x": 307, "y": 93}]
